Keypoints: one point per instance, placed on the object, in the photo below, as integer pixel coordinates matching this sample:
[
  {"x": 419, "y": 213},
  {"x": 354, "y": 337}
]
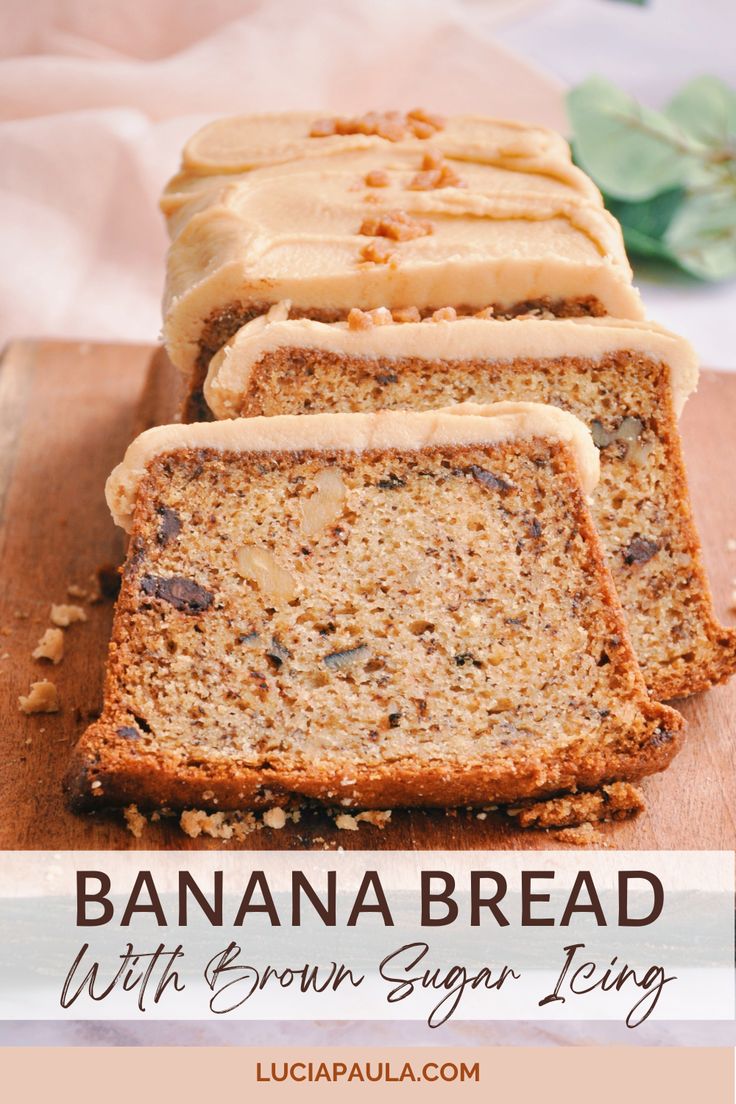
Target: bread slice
[
  {"x": 380, "y": 211},
  {"x": 627, "y": 381},
  {"x": 366, "y": 609}
]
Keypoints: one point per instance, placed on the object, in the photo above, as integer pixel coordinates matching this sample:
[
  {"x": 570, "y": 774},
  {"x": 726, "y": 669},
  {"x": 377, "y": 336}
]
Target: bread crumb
[
  {"x": 378, "y": 818},
  {"x": 63, "y": 615},
  {"x": 50, "y": 646},
  {"x": 348, "y": 822},
  {"x": 584, "y": 835},
  {"x": 481, "y": 816},
  {"x": 618, "y": 801},
  {"x": 224, "y": 826},
  {"x": 42, "y": 698},
  {"x": 196, "y": 822},
  {"x": 75, "y": 591},
  {"x": 274, "y": 818},
  {"x": 135, "y": 821}
]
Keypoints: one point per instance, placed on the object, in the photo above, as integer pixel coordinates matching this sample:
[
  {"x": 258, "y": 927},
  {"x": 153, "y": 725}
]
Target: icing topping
[
  {"x": 464, "y": 339},
  {"x": 262, "y": 212},
  {"x": 243, "y": 142},
  {"x": 396, "y": 430}
]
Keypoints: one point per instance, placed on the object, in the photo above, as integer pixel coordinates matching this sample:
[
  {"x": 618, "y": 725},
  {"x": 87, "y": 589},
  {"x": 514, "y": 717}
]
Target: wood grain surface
[{"x": 67, "y": 412}]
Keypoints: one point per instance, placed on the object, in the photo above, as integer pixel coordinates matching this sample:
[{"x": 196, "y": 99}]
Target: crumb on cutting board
[
  {"x": 350, "y": 822},
  {"x": 65, "y": 615},
  {"x": 583, "y": 835},
  {"x": 274, "y": 818},
  {"x": 225, "y": 826},
  {"x": 50, "y": 646},
  {"x": 41, "y": 698},
  {"x": 135, "y": 821},
  {"x": 617, "y": 801}
]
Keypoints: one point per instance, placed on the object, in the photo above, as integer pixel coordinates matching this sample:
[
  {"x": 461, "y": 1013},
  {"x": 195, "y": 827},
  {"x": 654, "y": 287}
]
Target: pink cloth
[{"x": 96, "y": 101}]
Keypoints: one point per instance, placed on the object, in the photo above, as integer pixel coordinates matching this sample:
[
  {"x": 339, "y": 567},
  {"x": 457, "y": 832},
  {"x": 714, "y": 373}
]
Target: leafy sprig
[{"x": 669, "y": 176}]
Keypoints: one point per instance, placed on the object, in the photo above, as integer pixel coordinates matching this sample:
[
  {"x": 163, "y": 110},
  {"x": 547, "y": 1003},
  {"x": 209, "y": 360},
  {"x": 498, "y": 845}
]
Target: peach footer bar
[{"x": 565, "y": 1075}]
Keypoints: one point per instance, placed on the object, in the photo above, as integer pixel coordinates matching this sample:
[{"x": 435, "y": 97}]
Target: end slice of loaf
[
  {"x": 627, "y": 381},
  {"x": 367, "y": 609}
]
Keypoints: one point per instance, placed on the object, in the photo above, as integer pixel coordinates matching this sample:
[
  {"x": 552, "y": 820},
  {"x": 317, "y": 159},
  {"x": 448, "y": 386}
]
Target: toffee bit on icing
[
  {"x": 378, "y": 252},
  {"x": 377, "y": 178},
  {"x": 365, "y": 320},
  {"x": 444, "y": 314},
  {"x": 322, "y": 128},
  {"x": 391, "y": 125},
  {"x": 359, "y": 319},
  {"x": 396, "y": 225},
  {"x": 419, "y": 115},
  {"x": 432, "y": 159},
  {"x": 406, "y": 314},
  {"x": 435, "y": 174}
]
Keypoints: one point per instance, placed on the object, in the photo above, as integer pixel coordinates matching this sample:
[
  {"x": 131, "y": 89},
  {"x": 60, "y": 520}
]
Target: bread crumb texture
[
  {"x": 640, "y": 506},
  {"x": 427, "y": 627}
]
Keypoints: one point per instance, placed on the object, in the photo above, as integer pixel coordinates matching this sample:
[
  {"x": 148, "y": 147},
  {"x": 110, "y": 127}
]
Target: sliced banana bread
[
  {"x": 367, "y": 609},
  {"x": 626, "y": 380}
]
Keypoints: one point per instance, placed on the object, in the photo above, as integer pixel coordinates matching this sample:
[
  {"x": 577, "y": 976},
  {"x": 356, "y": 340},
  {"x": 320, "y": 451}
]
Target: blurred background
[{"x": 96, "y": 100}]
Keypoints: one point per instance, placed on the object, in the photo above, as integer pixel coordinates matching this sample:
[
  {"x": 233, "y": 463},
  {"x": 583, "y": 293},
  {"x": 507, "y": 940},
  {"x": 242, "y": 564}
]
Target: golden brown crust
[
  {"x": 685, "y": 677},
  {"x": 153, "y": 781},
  {"x": 119, "y": 761}
]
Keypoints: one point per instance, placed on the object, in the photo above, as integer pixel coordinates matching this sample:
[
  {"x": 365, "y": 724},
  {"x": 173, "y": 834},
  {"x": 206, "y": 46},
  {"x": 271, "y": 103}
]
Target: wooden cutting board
[{"x": 67, "y": 412}]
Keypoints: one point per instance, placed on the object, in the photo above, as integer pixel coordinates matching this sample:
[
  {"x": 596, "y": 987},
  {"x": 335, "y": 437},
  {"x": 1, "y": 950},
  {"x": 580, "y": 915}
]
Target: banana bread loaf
[{"x": 395, "y": 210}]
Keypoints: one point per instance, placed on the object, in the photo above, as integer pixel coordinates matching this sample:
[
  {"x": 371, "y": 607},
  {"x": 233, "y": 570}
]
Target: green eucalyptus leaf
[
  {"x": 705, "y": 109},
  {"x": 645, "y": 223},
  {"x": 702, "y": 235},
  {"x": 630, "y": 151}
]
